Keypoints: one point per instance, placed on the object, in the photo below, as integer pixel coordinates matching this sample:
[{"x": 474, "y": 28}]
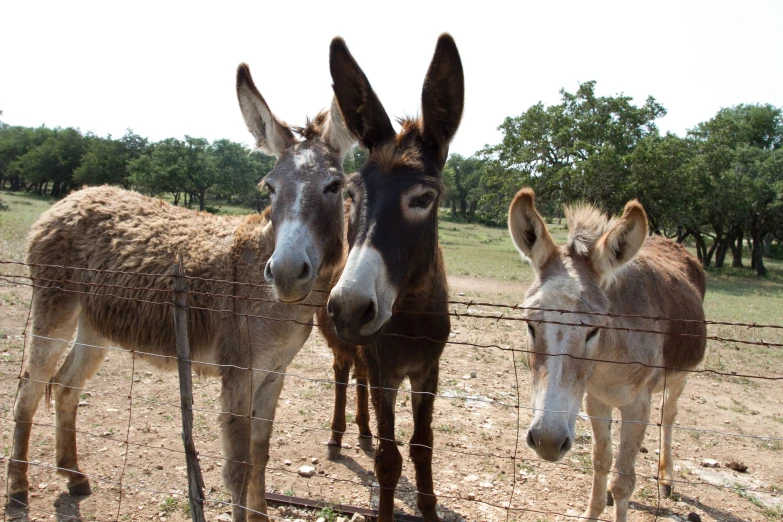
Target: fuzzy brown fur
[
  {"x": 125, "y": 245},
  {"x": 403, "y": 152}
]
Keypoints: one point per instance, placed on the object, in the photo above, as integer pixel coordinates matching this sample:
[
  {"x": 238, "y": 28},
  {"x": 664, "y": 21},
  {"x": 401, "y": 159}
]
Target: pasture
[{"x": 477, "y": 462}]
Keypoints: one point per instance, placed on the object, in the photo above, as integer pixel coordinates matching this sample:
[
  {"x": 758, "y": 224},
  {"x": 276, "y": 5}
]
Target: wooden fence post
[{"x": 195, "y": 481}]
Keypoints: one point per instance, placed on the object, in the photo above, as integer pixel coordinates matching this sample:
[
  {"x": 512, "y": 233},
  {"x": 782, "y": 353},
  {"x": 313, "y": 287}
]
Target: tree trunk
[
  {"x": 463, "y": 207},
  {"x": 682, "y": 234},
  {"x": 201, "y": 200},
  {"x": 758, "y": 257},
  {"x": 453, "y": 208},
  {"x": 757, "y": 253},
  {"x": 701, "y": 247},
  {"x": 720, "y": 252},
  {"x": 736, "y": 244},
  {"x": 176, "y": 198},
  {"x": 472, "y": 210}
]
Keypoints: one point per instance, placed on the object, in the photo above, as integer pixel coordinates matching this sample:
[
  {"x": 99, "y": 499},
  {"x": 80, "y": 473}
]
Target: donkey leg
[
  {"x": 424, "y": 388},
  {"x": 235, "y": 398},
  {"x": 388, "y": 461},
  {"x": 635, "y": 416},
  {"x": 342, "y": 370},
  {"x": 602, "y": 453},
  {"x": 675, "y": 384},
  {"x": 362, "y": 406},
  {"x": 44, "y": 352},
  {"x": 81, "y": 364},
  {"x": 264, "y": 406}
]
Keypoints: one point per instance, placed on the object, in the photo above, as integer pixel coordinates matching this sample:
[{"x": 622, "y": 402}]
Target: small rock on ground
[{"x": 306, "y": 471}]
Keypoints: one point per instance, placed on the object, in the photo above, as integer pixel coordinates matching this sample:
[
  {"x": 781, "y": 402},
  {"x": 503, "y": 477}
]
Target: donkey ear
[
  {"x": 272, "y": 136},
  {"x": 336, "y": 134},
  {"x": 442, "y": 98},
  {"x": 528, "y": 230},
  {"x": 362, "y": 112},
  {"x": 621, "y": 242}
]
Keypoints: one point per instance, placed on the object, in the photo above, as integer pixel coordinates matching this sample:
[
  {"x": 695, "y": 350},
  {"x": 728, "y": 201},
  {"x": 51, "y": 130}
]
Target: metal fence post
[{"x": 195, "y": 481}]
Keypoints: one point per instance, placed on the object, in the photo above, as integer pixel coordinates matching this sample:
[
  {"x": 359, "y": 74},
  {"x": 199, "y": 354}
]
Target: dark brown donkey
[{"x": 390, "y": 298}]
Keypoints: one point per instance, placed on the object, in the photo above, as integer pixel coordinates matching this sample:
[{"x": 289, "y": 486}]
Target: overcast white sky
[{"x": 166, "y": 69}]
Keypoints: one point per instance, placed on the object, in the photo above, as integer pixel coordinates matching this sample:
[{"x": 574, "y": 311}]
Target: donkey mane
[
  {"x": 313, "y": 128},
  {"x": 401, "y": 152},
  {"x": 586, "y": 224}
]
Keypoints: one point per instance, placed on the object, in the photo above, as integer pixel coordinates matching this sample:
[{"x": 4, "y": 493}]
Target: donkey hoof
[
  {"x": 18, "y": 500},
  {"x": 609, "y": 499},
  {"x": 665, "y": 490},
  {"x": 365, "y": 442},
  {"x": 333, "y": 451},
  {"x": 80, "y": 488}
]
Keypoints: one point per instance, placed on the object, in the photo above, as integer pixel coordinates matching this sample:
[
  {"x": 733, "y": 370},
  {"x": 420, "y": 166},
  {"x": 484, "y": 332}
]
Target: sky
[{"x": 166, "y": 69}]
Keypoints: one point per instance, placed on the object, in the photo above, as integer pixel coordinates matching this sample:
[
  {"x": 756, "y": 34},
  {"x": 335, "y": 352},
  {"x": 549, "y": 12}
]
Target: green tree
[
  {"x": 462, "y": 177},
  {"x": 575, "y": 150},
  {"x": 106, "y": 160},
  {"x": 53, "y": 161},
  {"x": 14, "y": 143},
  {"x": 732, "y": 147}
]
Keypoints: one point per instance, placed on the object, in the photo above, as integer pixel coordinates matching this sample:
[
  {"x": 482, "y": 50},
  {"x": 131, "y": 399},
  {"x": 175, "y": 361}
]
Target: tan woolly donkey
[
  {"x": 113, "y": 237},
  {"x": 608, "y": 265}
]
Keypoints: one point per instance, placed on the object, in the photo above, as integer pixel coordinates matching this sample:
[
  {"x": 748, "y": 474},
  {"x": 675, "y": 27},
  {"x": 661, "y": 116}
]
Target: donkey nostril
[
  {"x": 369, "y": 314},
  {"x": 268, "y": 271},
  {"x": 566, "y": 445},
  {"x": 304, "y": 275},
  {"x": 531, "y": 442}
]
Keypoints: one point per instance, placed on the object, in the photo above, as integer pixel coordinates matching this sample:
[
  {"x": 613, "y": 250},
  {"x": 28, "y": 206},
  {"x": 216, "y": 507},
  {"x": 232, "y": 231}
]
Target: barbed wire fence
[{"x": 459, "y": 309}]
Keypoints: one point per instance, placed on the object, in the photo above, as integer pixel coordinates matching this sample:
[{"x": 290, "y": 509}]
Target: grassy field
[{"x": 474, "y": 250}]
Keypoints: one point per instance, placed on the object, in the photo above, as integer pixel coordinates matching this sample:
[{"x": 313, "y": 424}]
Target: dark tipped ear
[
  {"x": 362, "y": 112},
  {"x": 442, "y": 98},
  {"x": 622, "y": 242},
  {"x": 272, "y": 136},
  {"x": 528, "y": 230}
]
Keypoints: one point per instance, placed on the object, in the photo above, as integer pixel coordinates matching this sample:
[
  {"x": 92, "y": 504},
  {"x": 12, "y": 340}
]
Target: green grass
[{"x": 15, "y": 223}]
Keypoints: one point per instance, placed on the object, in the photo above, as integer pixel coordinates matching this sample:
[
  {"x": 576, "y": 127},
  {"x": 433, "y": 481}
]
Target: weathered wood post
[{"x": 195, "y": 481}]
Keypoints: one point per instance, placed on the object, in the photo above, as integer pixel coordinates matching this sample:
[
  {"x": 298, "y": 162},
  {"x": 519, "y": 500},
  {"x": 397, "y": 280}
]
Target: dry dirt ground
[{"x": 479, "y": 437}]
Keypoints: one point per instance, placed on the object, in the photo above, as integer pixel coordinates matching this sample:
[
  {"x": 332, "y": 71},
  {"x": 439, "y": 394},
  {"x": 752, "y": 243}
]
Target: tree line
[
  {"x": 190, "y": 171},
  {"x": 717, "y": 187}
]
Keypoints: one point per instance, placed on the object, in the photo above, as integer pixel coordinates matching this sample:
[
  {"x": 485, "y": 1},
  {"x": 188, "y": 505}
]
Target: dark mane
[
  {"x": 403, "y": 151},
  {"x": 313, "y": 127}
]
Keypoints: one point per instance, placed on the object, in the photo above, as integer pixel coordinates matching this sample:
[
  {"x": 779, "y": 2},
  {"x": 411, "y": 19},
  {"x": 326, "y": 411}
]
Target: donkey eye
[
  {"x": 423, "y": 201},
  {"x": 531, "y": 331},
  {"x": 333, "y": 187},
  {"x": 269, "y": 188},
  {"x": 592, "y": 334}
]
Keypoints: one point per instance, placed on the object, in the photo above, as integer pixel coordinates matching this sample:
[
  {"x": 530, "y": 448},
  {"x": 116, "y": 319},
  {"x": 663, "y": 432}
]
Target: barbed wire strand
[
  {"x": 468, "y": 304},
  {"x": 409, "y": 392}
]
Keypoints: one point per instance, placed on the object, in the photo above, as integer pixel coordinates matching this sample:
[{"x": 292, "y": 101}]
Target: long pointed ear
[
  {"x": 442, "y": 98},
  {"x": 336, "y": 134},
  {"x": 621, "y": 242},
  {"x": 272, "y": 136},
  {"x": 362, "y": 112},
  {"x": 528, "y": 230}
]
